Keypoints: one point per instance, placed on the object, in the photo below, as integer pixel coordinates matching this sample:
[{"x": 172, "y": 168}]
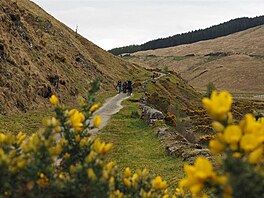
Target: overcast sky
[{"x": 117, "y": 23}]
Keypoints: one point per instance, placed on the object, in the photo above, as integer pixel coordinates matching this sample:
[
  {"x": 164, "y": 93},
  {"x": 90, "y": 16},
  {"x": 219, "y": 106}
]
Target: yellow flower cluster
[
  {"x": 72, "y": 162},
  {"x": 157, "y": 183},
  {"x": 102, "y": 147},
  {"x": 54, "y": 100},
  {"x": 218, "y": 105},
  {"x": 97, "y": 121},
  {"x": 245, "y": 140},
  {"x": 198, "y": 174},
  {"x": 140, "y": 185},
  {"x": 94, "y": 107},
  {"x": 76, "y": 119}
]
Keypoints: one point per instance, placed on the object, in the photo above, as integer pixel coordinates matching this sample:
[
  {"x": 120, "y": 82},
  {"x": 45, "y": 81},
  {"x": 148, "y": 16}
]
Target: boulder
[
  {"x": 151, "y": 115},
  {"x": 162, "y": 132}
]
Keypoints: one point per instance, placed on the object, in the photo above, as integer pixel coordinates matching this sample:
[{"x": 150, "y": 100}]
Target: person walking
[
  {"x": 119, "y": 86},
  {"x": 124, "y": 87},
  {"x": 129, "y": 87}
]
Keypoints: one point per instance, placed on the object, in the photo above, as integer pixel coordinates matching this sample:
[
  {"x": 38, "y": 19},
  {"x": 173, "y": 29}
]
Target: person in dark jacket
[
  {"x": 119, "y": 86},
  {"x": 129, "y": 87},
  {"x": 124, "y": 87}
]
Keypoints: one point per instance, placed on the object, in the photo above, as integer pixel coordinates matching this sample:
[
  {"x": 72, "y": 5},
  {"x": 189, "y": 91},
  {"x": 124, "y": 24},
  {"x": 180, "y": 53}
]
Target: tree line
[{"x": 223, "y": 29}]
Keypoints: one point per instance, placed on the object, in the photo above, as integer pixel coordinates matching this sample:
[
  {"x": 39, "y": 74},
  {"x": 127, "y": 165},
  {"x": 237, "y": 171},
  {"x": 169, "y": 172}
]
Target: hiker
[
  {"x": 119, "y": 86},
  {"x": 124, "y": 87},
  {"x": 153, "y": 75},
  {"x": 129, "y": 87}
]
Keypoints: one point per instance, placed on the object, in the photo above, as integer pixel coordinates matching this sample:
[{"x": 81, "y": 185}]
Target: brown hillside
[
  {"x": 40, "y": 56},
  {"x": 234, "y": 62}
]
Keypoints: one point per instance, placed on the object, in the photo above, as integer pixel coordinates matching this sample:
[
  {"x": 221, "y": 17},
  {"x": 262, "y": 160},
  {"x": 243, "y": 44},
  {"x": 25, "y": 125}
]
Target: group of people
[
  {"x": 124, "y": 87},
  {"x": 155, "y": 75}
]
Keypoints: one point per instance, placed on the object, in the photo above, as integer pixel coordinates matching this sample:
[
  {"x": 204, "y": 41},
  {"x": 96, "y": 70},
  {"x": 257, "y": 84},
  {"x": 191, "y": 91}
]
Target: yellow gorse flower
[
  {"x": 91, "y": 174},
  {"x": 135, "y": 178},
  {"x": 97, "y": 121},
  {"x": 127, "y": 182},
  {"x": 2, "y": 137},
  {"x": 20, "y": 137},
  {"x": 256, "y": 156},
  {"x": 197, "y": 175},
  {"x": 157, "y": 183},
  {"x": 127, "y": 172},
  {"x": 217, "y": 126},
  {"x": 94, "y": 107},
  {"x": 43, "y": 181},
  {"x": 218, "y": 105},
  {"x": 55, "y": 150},
  {"x": 249, "y": 142},
  {"x": 102, "y": 147},
  {"x": 76, "y": 119},
  {"x": 232, "y": 134},
  {"x": 54, "y": 100},
  {"x": 216, "y": 146}
]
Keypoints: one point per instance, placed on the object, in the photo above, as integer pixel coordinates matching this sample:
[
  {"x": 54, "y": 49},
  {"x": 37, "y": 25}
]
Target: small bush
[
  {"x": 210, "y": 87},
  {"x": 135, "y": 114},
  {"x": 165, "y": 68}
]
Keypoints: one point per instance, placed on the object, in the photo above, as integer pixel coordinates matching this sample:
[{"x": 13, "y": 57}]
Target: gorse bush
[
  {"x": 63, "y": 160},
  {"x": 240, "y": 148}
]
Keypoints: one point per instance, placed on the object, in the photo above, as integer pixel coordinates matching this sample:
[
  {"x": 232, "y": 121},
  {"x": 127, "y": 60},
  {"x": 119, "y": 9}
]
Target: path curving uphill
[
  {"x": 110, "y": 107},
  {"x": 113, "y": 105}
]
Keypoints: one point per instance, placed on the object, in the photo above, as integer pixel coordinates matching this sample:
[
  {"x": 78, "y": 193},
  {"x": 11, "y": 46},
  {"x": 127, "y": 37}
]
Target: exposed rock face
[
  {"x": 177, "y": 145},
  {"x": 151, "y": 115},
  {"x": 1, "y": 52}
]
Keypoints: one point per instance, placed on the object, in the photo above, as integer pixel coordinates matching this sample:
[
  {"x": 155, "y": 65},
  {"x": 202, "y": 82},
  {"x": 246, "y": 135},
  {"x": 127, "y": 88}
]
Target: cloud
[{"x": 122, "y": 22}]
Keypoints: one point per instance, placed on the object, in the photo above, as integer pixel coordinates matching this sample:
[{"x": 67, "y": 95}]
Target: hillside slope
[
  {"x": 234, "y": 62},
  {"x": 215, "y": 31},
  {"x": 40, "y": 56}
]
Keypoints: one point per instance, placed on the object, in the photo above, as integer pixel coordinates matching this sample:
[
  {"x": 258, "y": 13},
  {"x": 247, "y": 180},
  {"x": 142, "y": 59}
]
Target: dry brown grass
[
  {"x": 233, "y": 62},
  {"x": 42, "y": 56}
]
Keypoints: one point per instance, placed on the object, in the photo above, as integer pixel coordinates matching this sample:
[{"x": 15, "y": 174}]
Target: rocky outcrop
[
  {"x": 150, "y": 115},
  {"x": 177, "y": 145}
]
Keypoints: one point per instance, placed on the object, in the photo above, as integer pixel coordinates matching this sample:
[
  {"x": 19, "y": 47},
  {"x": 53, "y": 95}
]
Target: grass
[
  {"x": 136, "y": 145},
  {"x": 28, "y": 122},
  {"x": 179, "y": 58},
  {"x": 31, "y": 121}
]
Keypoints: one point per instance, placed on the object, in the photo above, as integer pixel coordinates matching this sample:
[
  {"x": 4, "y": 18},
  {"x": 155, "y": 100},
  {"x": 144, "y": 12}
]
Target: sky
[{"x": 117, "y": 23}]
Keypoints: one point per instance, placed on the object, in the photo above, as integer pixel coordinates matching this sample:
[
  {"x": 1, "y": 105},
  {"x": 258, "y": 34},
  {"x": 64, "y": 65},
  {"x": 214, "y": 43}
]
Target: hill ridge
[
  {"x": 215, "y": 31},
  {"x": 234, "y": 62}
]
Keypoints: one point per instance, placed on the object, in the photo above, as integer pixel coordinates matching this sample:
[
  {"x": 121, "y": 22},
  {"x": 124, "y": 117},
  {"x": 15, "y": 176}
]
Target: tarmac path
[
  {"x": 112, "y": 106},
  {"x": 109, "y": 108}
]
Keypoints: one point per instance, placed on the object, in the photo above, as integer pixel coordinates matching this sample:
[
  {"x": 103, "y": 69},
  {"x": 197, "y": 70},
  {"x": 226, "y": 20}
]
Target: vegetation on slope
[
  {"x": 233, "y": 63},
  {"x": 136, "y": 145},
  {"x": 215, "y": 31},
  {"x": 40, "y": 56},
  {"x": 73, "y": 164}
]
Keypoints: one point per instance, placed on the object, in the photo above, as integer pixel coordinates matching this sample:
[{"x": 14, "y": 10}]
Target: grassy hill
[
  {"x": 216, "y": 31},
  {"x": 233, "y": 62},
  {"x": 40, "y": 56}
]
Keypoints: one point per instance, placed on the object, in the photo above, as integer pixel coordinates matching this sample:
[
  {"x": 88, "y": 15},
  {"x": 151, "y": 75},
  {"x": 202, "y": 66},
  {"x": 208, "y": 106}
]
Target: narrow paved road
[{"x": 110, "y": 107}]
